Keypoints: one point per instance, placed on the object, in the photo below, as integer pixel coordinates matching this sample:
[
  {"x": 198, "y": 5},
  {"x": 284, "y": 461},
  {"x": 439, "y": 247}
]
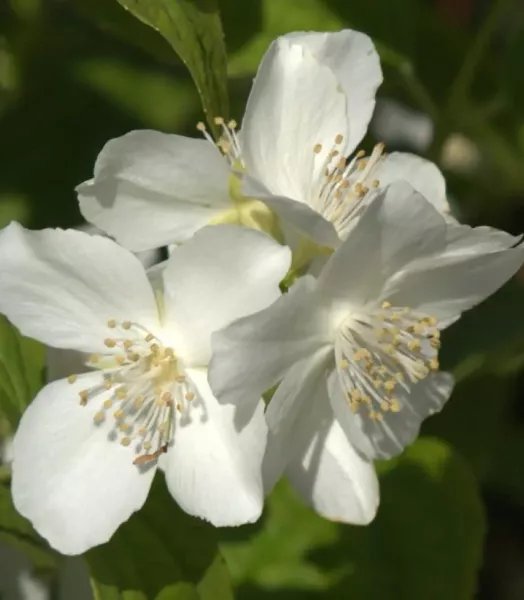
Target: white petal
[
  {"x": 465, "y": 240},
  {"x": 61, "y": 287},
  {"x": 398, "y": 226},
  {"x": 298, "y": 215},
  {"x": 389, "y": 437},
  {"x": 224, "y": 273},
  {"x": 352, "y": 57},
  {"x": 213, "y": 469},
  {"x": 73, "y": 483},
  {"x": 295, "y": 103},
  {"x": 289, "y": 412},
  {"x": 322, "y": 465},
  {"x": 422, "y": 174},
  {"x": 253, "y": 354},
  {"x": 447, "y": 285},
  {"x": 151, "y": 189}
]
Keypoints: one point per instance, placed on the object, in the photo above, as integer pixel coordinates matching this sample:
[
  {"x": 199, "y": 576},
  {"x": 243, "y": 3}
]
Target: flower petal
[
  {"x": 295, "y": 104},
  {"x": 288, "y": 414},
  {"x": 152, "y": 189},
  {"x": 253, "y": 354},
  {"x": 322, "y": 465},
  {"x": 353, "y": 59},
  {"x": 295, "y": 214},
  {"x": 213, "y": 470},
  {"x": 224, "y": 273},
  {"x": 397, "y": 430},
  {"x": 447, "y": 285},
  {"x": 73, "y": 483},
  {"x": 61, "y": 287},
  {"x": 422, "y": 174},
  {"x": 398, "y": 226}
]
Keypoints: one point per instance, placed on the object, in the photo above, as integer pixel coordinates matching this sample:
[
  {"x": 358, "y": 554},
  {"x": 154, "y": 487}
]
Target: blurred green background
[{"x": 75, "y": 73}]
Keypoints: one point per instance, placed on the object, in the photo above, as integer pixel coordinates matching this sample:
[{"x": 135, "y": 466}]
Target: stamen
[{"x": 380, "y": 353}]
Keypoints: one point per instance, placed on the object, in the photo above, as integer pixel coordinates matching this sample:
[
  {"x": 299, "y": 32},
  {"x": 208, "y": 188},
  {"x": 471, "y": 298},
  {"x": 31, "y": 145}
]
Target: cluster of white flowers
[{"x": 297, "y": 264}]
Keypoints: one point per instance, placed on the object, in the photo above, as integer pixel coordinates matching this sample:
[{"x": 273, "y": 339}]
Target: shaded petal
[
  {"x": 295, "y": 103},
  {"x": 213, "y": 470},
  {"x": 297, "y": 214},
  {"x": 224, "y": 273},
  {"x": 289, "y": 412},
  {"x": 390, "y": 436},
  {"x": 323, "y": 466},
  {"x": 73, "y": 484},
  {"x": 353, "y": 59},
  {"x": 61, "y": 287},
  {"x": 447, "y": 285},
  {"x": 151, "y": 189},
  {"x": 398, "y": 226},
  {"x": 422, "y": 174},
  {"x": 253, "y": 354}
]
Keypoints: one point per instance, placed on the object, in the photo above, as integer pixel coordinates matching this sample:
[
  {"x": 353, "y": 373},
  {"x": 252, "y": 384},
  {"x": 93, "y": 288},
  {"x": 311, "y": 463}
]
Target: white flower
[
  {"x": 309, "y": 108},
  {"x": 356, "y": 350},
  {"x": 86, "y": 449}
]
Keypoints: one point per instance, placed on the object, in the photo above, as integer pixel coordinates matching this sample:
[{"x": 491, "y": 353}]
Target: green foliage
[
  {"x": 16, "y": 530},
  {"x": 21, "y": 368},
  {"x": 161, "y": 553},
  {"x": 194, "y": 30},
  {"x": 425, "y": 542}
]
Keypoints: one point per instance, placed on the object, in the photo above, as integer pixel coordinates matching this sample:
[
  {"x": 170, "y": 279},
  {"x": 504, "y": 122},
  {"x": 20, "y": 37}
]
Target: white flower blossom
[
  {"x": 356, "y": 349},
  {"x": 308, "y": 110},
  {"x": 88, "y": 446}
]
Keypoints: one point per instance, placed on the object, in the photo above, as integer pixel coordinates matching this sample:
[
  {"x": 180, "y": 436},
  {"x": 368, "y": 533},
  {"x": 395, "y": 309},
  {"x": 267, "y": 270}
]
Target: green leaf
[
  {"x": 17, "y": 531},
  {"x": 194, "y": 30},
  {"x": 426, "y": 541},
  {"x": 21, "y": 367},
  {"x": 161, "y": 553}
]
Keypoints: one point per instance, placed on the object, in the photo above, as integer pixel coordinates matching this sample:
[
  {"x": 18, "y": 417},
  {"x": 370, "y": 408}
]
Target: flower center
[
  {"x": 344, "y": 184},
  {"x": 146, "y": 385},
  {"x": 380, "y": 353},
  {"x": 228, "y": 143}
]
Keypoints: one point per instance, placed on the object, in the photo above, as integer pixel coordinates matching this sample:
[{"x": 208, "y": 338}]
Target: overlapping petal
[
  {"x": 70, "y": 479},
  {"x": 152, "y": 189},
  {"x": 61, "y": 287}
]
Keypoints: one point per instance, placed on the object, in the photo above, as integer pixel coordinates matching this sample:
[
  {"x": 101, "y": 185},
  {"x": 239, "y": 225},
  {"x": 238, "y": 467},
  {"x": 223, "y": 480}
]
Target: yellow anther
[
  {"x": 147, "y": 445},
  {"x": 84, "y": 394},
  {"x": 125, "y": 441},
  {"x": 120, "y": 359},
  {"x": 343, "y": 364},
  {"x": 432, "y": 321},
  {"x": 108, "y": 384},
  {"x": 110, "y": 343},
  {"x": 128, "y": 344},
  {"x": 386, "y": 304},
  {"x": 419, "y": 329},
  {"x": 155, "y": 348},
  {"x": 111, "y": 323},
  {"x": 94, "y": 358},
  {"x": 338, "y": 138},
  {"x": 317, "y": 148},
  {"x": 377, "y": 383},
  {"x": 169, "y": 353},
  {"x": 390, "y": 385},
  {"x": 360, "y": 154},
  {"x": 167, "y": 398},
  {"x": 149, "y": 337},
  {"x": 72, "y": 378},
  {"x": 139, "y": 401},
  {"x": 124, "y": 427},
  {"x": 435, "y": 343},
  {"x": 179, "y": 407},
  {"x": 394, "y": 405},
  {"x": 375, "y": 183},
  {"x": 218, "y": 120},
  {"x": 400, "y": 377},
  {"x": 232, "y": 124},
  {"x": 434, "y": 364},
  {"x": 414, "y": 345},
  {"x": 126, "y": 324},
  {"x": 200, "y": 126},
  {"x": 108, "y": 404},
  {"x": 384, "y": 405},
  {"x": 121, "y": 393},
  {"x": 99, "y": 416},
  {"x": 118, "y": 414},
  {"x": 189, "y": 396}
]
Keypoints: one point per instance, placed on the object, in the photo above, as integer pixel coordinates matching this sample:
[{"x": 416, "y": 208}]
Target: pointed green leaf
[
  {"x": 161, "y": 553},
  {"x": 194, "y": 30},
  {"x": 21, "y": 369}
]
